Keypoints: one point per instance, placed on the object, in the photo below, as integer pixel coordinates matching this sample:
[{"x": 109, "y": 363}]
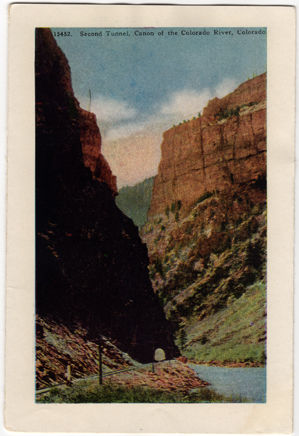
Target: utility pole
[
  {"x": 153, "y": 365},
  {"x": 68, "y": 373},
  {"x": 89, "y": 101},
  {"x": 100, "y": 362}
]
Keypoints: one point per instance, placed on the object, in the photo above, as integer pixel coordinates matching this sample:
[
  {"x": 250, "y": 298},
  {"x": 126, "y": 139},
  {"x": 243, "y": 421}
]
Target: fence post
[{"x": 68, "y": 374}]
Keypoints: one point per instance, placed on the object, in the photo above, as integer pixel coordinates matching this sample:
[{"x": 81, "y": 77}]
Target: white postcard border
[{"x": 21, "y": 412}]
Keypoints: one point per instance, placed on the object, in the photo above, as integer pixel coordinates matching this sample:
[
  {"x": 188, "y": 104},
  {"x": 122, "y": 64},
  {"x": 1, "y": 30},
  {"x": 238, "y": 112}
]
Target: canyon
[
  {"x": 192, "y": 280},
  {"x": 91, "y": 266},
  {"x": 206, "y": 229}
]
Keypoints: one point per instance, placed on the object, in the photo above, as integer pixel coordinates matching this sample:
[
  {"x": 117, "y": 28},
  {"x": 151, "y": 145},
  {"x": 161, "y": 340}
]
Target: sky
[{"x": 142, "y": 85}]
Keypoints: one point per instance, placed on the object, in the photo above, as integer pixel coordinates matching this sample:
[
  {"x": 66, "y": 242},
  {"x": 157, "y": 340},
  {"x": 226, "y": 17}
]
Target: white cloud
[
  {"x": 186, "y": 103},
  {"x": 124, "y": 130},
  {"x": 227, "y": 86},
  {"x": 108, "y": 109}
]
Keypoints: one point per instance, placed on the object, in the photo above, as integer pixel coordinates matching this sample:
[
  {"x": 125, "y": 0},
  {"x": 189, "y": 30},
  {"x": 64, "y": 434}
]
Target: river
[{"x": 249, "y": 383}]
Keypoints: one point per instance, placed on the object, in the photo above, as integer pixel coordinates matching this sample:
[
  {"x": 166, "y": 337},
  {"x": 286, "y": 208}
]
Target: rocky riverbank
[
  {"x": 173, "y": 376},
  {"x": 166, "y": 382}
]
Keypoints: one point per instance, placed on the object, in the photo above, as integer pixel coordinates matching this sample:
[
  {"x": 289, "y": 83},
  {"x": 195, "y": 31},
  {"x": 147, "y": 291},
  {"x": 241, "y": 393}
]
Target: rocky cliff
[
  {"x": 207, "y": 227},
  {"x": 90, "y": 138},
  {"x": 54, "y": 77},
  {"x": 224, "y": 148},
  {"x": 91, "y": 267},
  {"x": 208, "y": 267}
]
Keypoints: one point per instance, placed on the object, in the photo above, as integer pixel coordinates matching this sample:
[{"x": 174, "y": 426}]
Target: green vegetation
[
  {"x": 228, "y": 113},
  {"x": 234, "y": 334},
  {"x": 208, "y": 265},
  {"x": 134, "y": 201},
  {"x": 253, "y": 75},
  {"x": 187, "y": 121},
  {"x": 182, "y": 337},
  {"x": 159, "y": 266},
  {"x": 225, "y": 113},
  {"x": 174, "y": 208},
  {"x": 204, "y": 197},
  {"x": 108, "y": 393}
]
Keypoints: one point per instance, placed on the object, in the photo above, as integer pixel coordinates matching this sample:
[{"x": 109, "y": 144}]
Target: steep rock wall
[
  {"x": 90, "y": 138},
  {"x": 214, "y": 151},
  {"x": 54, "y": 76},
  {"x": 91, "y": 267}
]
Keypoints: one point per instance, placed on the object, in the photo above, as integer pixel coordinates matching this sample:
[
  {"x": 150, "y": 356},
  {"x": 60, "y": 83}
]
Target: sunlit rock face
[
  {"x": 206, "y": 231},
  {"x": 91, "y": 266},
  {"x": 222, "y": 149}
]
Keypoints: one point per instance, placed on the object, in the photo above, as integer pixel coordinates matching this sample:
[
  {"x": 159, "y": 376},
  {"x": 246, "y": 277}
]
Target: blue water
[{"x": 249, "y": 383}]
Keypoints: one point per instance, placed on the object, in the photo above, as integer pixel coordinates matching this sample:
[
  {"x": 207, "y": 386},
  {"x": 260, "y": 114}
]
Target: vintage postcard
[{"x": 150, "y": 219}]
